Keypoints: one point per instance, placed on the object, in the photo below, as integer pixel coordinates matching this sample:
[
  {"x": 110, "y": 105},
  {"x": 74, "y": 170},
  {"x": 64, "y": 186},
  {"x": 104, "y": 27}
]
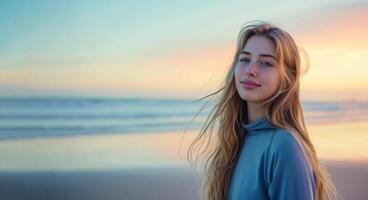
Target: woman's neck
[{"x": 254, "y": 111}]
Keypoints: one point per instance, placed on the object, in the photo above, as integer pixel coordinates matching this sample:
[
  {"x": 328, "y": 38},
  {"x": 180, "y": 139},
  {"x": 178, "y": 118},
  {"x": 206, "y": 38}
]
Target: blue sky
[{"x": 105, "y": 47}]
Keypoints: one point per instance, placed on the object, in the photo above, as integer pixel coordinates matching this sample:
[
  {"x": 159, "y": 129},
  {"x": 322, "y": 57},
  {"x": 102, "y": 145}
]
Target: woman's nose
[{"x": 251, "y": 69}]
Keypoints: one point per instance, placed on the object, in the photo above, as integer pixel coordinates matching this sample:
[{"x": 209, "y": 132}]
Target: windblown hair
[{"x": 283, "y": 110}]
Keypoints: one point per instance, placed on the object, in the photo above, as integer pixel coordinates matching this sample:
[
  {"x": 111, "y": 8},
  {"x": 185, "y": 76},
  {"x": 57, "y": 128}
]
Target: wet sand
[
  {"x": 109, "y": 185},
  {"x": 351, "y": 179}
]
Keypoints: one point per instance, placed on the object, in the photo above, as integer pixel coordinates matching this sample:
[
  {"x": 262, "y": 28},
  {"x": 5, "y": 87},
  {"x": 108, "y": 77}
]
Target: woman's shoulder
[
  {"x": 288, "y": 173},
  {"x": 283, "y": 142},
  {"x": 285, "y": 152}
]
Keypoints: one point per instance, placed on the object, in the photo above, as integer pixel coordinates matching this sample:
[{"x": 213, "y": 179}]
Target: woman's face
[{"x": 257, "y": 63}]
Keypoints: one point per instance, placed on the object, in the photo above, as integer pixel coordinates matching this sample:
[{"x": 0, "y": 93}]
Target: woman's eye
[
  {"x": 267, "y": 64},
  {"x": 244, "y": 60}
]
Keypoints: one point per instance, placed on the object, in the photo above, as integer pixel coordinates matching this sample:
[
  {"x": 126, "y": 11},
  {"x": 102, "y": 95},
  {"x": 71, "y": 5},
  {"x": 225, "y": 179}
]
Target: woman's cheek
[{"x": 237, "y": 72}]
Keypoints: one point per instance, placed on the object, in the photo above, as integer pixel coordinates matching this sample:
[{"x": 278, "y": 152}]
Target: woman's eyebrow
[{"x": 262, "y": 55}]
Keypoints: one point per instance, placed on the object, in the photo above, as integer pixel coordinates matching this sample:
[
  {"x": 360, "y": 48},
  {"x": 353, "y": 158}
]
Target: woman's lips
[{"x": 249, "y": 84}]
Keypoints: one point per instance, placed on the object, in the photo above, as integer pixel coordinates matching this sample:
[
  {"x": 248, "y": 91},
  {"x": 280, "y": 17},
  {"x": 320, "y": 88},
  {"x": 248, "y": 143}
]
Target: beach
[
  {"x": 164, "y": 184},
  {"x": 151, "y": 165},
  {"x": 102, "y": 99}
]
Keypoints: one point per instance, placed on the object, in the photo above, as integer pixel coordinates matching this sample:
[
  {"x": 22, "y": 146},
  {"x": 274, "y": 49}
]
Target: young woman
[{"x": 261, "y": 149}]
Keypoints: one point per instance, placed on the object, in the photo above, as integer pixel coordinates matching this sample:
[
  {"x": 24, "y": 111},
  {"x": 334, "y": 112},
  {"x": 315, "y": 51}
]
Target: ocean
[{"x": 25, "y": 117}]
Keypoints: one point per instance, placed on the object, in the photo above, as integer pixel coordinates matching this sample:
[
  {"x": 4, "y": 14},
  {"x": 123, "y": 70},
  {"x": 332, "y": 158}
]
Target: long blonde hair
[{"x": 283, "y": 110}]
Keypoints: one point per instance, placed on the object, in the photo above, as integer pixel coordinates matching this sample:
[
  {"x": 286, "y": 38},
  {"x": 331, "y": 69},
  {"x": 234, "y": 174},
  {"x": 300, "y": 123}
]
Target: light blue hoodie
[{"x": 271, "y": 165}]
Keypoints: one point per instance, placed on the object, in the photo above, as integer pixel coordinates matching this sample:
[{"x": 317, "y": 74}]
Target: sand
[
  {"x": 351, "y": 179},
  {"x": 141, "y": 184}
]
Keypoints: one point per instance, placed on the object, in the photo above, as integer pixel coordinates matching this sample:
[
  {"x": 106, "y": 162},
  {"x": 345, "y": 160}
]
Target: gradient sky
[{"x": 171, "y": 48}]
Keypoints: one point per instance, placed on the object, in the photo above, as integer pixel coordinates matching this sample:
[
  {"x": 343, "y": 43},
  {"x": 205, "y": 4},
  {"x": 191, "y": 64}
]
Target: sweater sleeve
[{"x": 289, "y": 175}]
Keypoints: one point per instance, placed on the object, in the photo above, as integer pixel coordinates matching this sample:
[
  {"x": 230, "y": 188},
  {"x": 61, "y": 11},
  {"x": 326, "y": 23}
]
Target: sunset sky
[{"x": 171, "y": 48}]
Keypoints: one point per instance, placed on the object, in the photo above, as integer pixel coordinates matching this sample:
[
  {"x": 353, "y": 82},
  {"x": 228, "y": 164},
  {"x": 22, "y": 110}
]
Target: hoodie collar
[{"x": 257, "y": 126}]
